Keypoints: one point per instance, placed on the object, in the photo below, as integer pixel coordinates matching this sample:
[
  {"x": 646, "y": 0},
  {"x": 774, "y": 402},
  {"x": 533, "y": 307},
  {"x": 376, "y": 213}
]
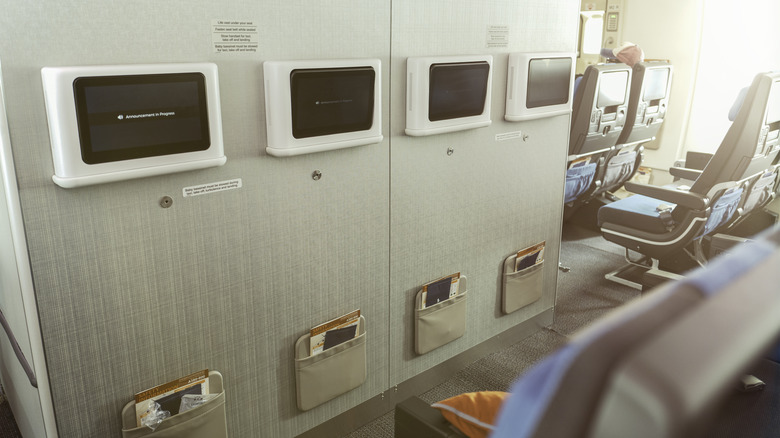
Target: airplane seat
[
  {"x": 600, "y": 108},
  {"x": 572, "y": 392},
  {"x": 669, "y": 391},
  {"x": 579, "y": 178},
  {"x": 761, "y": 188},
  {"x": 580, "y": 391},
  {"x": 666, "y": 220},
  {"x": 764, "y": 186},
  {"x": 759, "y": 192},
  {"x": 651, "y": 84}
]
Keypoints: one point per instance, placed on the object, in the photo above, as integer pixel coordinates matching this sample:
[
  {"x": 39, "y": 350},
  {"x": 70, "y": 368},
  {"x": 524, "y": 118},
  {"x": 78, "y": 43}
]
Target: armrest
[
  {"x": 697, "y": 160},
  {"x": 685, "y": 173},
  {"x": 685, "y": 199},
  {"x": 416, "y": 419}
]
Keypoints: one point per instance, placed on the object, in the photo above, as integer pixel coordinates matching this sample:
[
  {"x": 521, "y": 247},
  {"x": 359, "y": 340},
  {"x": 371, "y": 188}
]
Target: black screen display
[
  {"x": 457, "y": 90},
  {"x": 656, "y": 83},
  {"x": 612, "y": 88},
  {"x": 137, "y": 116},
  {"x": 548, "y": 82},
  {"x": 331, "y": 101}
]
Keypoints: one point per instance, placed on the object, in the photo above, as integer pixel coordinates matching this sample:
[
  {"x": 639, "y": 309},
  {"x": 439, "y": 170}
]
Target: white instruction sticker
[
  {"x": 497, "y": 36},
  {"x": 211, "y": 187},
  {"x": 509, "y": 135},
  {"x": 234, "y": 36}
]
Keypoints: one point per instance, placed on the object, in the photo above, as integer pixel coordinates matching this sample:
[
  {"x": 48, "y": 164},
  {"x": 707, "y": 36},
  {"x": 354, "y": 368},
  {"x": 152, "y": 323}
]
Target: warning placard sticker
[
  {"x": 234, "y": 36},
  {"x": 211, "y": 187}
]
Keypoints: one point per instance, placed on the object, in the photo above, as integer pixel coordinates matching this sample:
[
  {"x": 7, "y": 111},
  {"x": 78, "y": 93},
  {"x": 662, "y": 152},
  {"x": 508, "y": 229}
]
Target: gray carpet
[
  {"x": 752, "y": 414},
  {"x": 583, "y": 295},
  {"x": 8, "y": 428}
]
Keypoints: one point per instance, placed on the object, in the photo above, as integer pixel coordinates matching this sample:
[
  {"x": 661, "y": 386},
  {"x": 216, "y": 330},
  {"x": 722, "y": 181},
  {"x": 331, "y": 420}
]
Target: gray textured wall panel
[
  {"x": 468, "y": 211},
  {"x": 131, "y": 295}
]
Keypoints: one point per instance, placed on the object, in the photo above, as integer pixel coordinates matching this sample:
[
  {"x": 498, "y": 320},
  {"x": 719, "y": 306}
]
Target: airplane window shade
[
  {"x": 548, "y": 82},
  {"x": 457, "y": 90},
  {"x": 331, "y": 101},
  {"x": 656, "y": 80},
  {"x": 612, "y": 88},
  {"x": 137, "y": 116}
]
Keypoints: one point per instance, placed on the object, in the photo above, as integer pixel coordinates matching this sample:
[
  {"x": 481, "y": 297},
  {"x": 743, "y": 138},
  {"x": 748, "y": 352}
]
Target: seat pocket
[
  {"x": 208, "y": 420},
  {"x": 521, "y": 288},
  {"x": 439, "y": 324},
  {"x": 619, "y": 169},
  {"x": 333, "y": 372},
  {"x": 760, "y": 192},
  {"x": 578, "y": 180},
  {"x": 722, "y": 210}
]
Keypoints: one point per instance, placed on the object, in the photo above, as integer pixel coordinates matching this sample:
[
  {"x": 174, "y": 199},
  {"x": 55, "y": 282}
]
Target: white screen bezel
[
  {"x": 278, "y": 109},
  {"x": 517, "y": 87},
  {"x": 69, "y": 168},
  {"x": 417, "y": 94}
]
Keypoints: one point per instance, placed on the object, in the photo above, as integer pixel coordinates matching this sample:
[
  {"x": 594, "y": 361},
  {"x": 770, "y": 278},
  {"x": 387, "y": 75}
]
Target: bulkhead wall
[{"x": 131, "y": 295}]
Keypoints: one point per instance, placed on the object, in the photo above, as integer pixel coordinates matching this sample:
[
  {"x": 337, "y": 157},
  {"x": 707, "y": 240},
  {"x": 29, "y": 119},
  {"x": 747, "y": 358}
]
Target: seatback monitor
[
  {"x": 331, "y": 101},
  {"x": 656, "y": 80},
  {"x": 773, "y": 105},
  {"x": 117, "y": 122},
  {"x": 457, "y": 90},
  {"x": 126, "y": 117},
  {"x": 538, "y": 85},
  {"x": 612, "y": 89},
  {"x": 548, "y": 82},
  {"x": 320, "y": 105},
  {"x": 447, "y": 93}
]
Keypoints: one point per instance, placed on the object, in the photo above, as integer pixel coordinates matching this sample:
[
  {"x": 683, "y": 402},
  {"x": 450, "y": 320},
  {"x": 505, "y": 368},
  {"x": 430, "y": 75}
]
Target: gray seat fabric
[
  {"x": 572, "y": 392},
  {"x": 673, "y": 385}
]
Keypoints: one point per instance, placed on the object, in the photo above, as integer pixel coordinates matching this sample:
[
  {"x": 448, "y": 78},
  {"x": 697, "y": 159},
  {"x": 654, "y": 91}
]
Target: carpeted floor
[
  {"x": 583, "y": 295},
  {"x": 8, "y": 428}
]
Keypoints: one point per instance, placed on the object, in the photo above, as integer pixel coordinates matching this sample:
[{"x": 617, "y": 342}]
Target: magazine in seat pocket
[{"x": 440, "y": 323}]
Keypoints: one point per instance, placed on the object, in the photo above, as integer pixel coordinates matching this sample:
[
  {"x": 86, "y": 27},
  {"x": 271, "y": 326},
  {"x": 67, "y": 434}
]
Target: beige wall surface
[
  {"x": 736, "y": 44},
  {"x": 668, "y": 29},
  {"x": 716, "y": 50}
]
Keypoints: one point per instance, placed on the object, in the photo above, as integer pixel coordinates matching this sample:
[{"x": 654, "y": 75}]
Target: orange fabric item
[{"x": 473, "y": 413}]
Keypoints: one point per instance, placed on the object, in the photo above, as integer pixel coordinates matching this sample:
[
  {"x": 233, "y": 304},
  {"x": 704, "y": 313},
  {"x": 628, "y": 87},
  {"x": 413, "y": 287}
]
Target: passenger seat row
[
  {"x": 616, "y": 110},
  {"x": 739, "y": 179}
]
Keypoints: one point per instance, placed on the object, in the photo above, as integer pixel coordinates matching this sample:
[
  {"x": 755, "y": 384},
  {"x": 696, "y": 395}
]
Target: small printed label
[
  {"x": 211, "y": 187},
  {"x": 509, "y": 135},
  {"x": 234, "y": 36},
  {"x": 498, "y": 36}
]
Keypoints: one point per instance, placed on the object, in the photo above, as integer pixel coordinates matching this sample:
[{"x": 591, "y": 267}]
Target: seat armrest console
[
  {"x": 685, "y": 199},
  {"x": 416, "y": 419},
  {"x": 685, "y": 173},
  {"x": 697, "y": 160}
]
